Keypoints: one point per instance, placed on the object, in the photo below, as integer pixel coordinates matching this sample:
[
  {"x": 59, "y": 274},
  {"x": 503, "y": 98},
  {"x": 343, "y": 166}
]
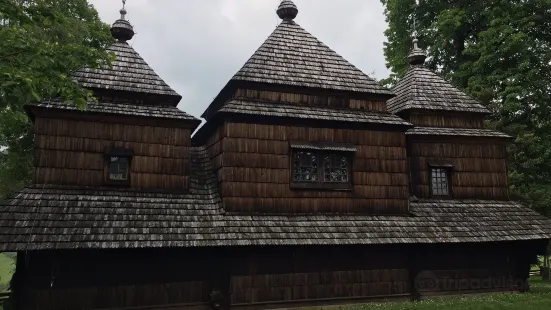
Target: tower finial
[
  {"x": 122, "y": 30},
  {"x": 123, "y": 10},
  {"x": 287, "y": 10},
  {"x": 417, "y": 56}
]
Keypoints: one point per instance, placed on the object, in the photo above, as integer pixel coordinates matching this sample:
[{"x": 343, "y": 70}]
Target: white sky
[{"x": 196, "y": 46}]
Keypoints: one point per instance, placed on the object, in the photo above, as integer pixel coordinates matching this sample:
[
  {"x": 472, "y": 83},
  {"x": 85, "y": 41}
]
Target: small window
[
  {"x": 440, "y": 182},
  {"x": 117, "y": 166},
  {"x": 321, "y": 169}
]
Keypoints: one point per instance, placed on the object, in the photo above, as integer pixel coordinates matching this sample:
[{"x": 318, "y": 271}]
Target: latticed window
[
  {"x": 321, "y": 169},
  {"x": 440, "y": 182},
  {"x": 336, "y": 168},
  {"x": 306, "y": 167}
]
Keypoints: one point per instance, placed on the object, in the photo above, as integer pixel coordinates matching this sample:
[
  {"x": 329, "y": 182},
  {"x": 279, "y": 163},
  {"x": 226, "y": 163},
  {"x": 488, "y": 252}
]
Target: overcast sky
[{"x": 196, "y": 46}]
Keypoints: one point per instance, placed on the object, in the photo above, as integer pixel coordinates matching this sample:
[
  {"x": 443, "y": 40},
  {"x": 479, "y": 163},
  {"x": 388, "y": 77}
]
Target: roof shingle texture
[
  {"x": 157, "y": 111},
  {"x": 466, "y": 132},
  {"x": 310, "y": 112},
  {"x": 46, "y": 217},
  {"x": 129, "y": 73},
  {"x": 292, "y": 56},
  {"x": 421, "y": 88}
]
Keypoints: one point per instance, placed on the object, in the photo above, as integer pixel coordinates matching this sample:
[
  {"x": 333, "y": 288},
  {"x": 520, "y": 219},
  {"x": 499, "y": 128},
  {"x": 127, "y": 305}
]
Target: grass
[
  {"x": 538, "y": 298},
  {"x": 7, "y": 267}
]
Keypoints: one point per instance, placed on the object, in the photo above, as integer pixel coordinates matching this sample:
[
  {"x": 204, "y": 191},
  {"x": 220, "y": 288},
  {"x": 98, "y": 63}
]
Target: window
[
  {"x": 321, "y": 167},
  {"x": 440, "y": 182},
  {"x": 117, "y": 168}
]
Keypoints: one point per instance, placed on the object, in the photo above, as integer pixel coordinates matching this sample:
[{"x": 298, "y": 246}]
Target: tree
[
  {"x": 41, "y": 43},
  {"x": 498, "y": 51}
]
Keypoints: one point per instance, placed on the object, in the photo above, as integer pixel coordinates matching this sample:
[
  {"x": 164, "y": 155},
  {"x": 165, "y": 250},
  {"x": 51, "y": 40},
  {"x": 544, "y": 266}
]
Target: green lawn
[
  {"x": 538, "y": 298},
  {"x": 7, "y": 267}
]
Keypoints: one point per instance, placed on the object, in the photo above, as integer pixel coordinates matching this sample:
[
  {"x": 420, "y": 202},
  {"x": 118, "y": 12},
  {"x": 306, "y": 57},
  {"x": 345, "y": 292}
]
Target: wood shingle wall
[
  {"x": 266, "y": 277},
  {"x": 71, "y": 152},
  {"x": 479, "y": 167},
  {"x": 252, "y": 162},
  {"x": 294, "y": 96},
  {"x": 294, "y": 275},
  {"x": 450, "y": 119}
]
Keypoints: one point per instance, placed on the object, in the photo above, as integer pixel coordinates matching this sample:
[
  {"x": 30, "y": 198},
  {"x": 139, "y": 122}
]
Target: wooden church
[{"x": 309, "y": 184}]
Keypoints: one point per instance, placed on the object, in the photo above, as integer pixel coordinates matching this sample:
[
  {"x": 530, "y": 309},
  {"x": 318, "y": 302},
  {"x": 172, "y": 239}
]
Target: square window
[{"x": 440, "y": 182}]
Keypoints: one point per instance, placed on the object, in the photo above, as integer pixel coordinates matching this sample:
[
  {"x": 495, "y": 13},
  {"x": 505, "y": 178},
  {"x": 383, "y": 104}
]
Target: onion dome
[
  {"x": 287, "y": 10},
  {"x": 417, "y": 56},
  {"x": 122, "y": 30}
]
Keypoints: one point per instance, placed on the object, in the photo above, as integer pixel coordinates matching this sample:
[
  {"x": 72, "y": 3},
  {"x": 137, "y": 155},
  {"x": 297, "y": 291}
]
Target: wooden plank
[
  {"x": 462, "y": 164},
  {"x": 248, "y": 160},
  {"x": 116, "y": 132},
  {"x": 241, "y": 145},
  {"x": 458, "y": 150},
  {"x": 156, "y": 165},
  {"x": 315, "y": 205},
  {"x": 160, "y": 181},
  {"x": 290, "y": 133},
  {"x": 453, "y": 121},
  {"x": 100, "y": 146},
  {"x": 69, "y": 160},
  {"x": 61, "y": 176},
  {"x": 309, "y": 99},
  {"x": 255, "y": 175}
]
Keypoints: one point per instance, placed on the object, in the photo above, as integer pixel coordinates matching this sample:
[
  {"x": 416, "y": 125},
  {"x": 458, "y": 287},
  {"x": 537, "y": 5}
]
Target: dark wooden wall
[
  {"x": 115, "y": 279},
  {"x": 473, "y": 268},
  {"x": 479, "y": 166},
  {"x": 252, "y": 162},
  {"x": 293, "y": 96},
  {"x": 264, "y": 277},
  {"x": 288, "y": 275},
  {"x": 442, "y": 119},
  {"x": 71, "y": 152}
]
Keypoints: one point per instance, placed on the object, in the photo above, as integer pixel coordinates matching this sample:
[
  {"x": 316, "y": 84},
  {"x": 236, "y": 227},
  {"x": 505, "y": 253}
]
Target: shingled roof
[
  {"x": 129, "y": 72},
  {"x": 57, "y": 217},
  {"x": 465, "y": 132},
  {"x": 292, "y": 56},
  {"x": 150, "y": 111},
  {"x": 310, "y": 112},
  {"x": 421, "y": 88}
]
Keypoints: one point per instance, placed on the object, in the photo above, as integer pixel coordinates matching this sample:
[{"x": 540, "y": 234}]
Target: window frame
[
  {"x": 448, "y": 169},
  {"x": 120, "y": 153},
  {"x": 322, "y": 150}
]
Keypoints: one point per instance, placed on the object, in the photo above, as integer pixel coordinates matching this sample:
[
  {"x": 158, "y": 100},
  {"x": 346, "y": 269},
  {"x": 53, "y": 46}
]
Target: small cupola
[
  {"x": 417, "y": 56},
  {"x": 122, "y": 30},
  {"x": 287, "y": 10}
]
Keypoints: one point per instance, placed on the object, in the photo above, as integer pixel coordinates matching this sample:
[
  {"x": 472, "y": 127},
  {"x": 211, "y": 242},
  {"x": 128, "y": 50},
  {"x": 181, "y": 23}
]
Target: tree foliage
[
  {"x": 41, "y": 43},
  {"x": 498, "y": 51}
]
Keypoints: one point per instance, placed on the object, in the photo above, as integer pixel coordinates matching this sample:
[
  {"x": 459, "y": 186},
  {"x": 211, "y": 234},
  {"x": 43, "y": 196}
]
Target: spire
[
  {"x": 122, "y": 29},
  {"x": 287, "y": 10},
  {"x": 417, "y": 56}
]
